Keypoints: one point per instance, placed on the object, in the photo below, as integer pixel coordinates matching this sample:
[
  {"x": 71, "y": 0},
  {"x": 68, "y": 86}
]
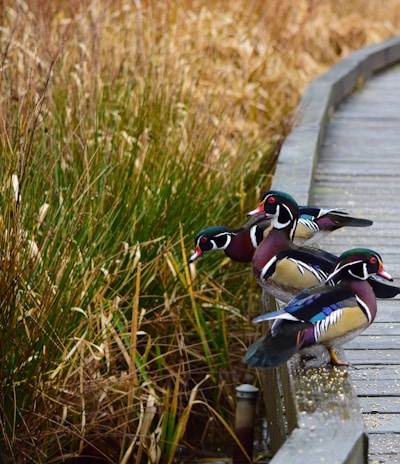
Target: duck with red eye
[
  {"x": 239, "y": 244},
  {"x": 315, "y": 223},
  {"x": 284, "y": 269},
  {"x": 323, "y": 315}
]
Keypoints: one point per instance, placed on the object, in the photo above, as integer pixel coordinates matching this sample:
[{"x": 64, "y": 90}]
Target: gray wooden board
[
  {"x": 371, "y": 372},
  {"x": 368, "y": 356},
  {"x": 385, "y": 458},
  {"x": 359, "y": 169},
  {"x": 382, "y": 423},
  {"x": 379, "y": 404},
  {"x": 381, "y": 443},
  {"x": 374, "y": 342},
  {"x": 386, "y": 314},
  {"x": 382, "y": 329},
  {"x": 378, "y": 388}
]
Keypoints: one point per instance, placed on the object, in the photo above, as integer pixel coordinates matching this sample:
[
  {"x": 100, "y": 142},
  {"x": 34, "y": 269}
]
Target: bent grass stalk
[{"x": 132, "y": 367}]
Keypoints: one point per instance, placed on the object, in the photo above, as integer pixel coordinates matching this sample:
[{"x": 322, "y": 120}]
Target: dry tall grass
[{"x": 125, "y": 128}]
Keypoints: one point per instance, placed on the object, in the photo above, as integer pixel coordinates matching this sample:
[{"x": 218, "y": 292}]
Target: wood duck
[
  {"x": 323, "y": 315},
  {"x": 315, "y": 223},
  {"x": 240, "y": 244},
  {"x": 282, "y": 268}
]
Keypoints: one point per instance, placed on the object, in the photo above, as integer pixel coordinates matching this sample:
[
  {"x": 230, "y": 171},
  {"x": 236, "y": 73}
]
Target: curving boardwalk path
[
  {"x": 359, "y": 168},
  {"x": 345, "y": 152}
]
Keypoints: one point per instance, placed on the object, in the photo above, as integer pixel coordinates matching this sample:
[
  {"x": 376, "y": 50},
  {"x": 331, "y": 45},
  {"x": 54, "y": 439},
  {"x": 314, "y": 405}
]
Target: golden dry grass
[
  {"x": 245, "y": 65},
  {"x": 124, "y": 127}
]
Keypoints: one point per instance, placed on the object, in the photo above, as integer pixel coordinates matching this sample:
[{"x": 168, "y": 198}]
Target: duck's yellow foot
[{"x": 338, "y": 362}]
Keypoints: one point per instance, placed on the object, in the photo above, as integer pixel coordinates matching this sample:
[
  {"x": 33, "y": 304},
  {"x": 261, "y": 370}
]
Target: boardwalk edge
[{"x": 328, "y": 425}]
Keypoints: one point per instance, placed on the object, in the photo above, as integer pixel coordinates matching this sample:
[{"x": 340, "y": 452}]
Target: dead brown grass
[{"x": 246, "y": 65}]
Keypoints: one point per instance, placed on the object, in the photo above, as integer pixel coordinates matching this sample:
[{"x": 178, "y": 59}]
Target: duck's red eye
[
  {"x": 204, "y": 239},
  {"x": 373, "y": 260},
  {"x": 271, "y": 200}
]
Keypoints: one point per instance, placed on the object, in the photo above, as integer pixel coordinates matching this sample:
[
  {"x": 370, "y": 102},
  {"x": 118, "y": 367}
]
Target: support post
[{"x": 246, "y": 396}]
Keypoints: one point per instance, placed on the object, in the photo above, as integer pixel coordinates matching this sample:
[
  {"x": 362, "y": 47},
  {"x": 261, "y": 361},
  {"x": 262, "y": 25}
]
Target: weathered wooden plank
[
  {"x": 361, "y": 135},
  {"x": 385, "y": 313},
  {"x": 391, "y": 231},
  {"x": 365, "y": 238},
  {"x": 378, "y": 387},
  {"x": 386, "y": 328},
  {"x": 357, "y": 170},
  {"x": 376, "y": 168},
  {"x": 374, "y": 342},
  {"x": 387, "y": 458},
  {"x": 329, "y": 185},
  {"x": 373, "y": 356},
  {"x": 273, "y": 409},
  {"x": 339, "y": 244},
  {"x": 355, "y": 167},
  {"x": 375, "y": 240},
  {"x": 372, "y": 371},
  {"x": 384, "y": 445},
  {"x": 361, "y": 131},
  {"x": 377, "y": 230},
  {"x": 325, "y": 406},
  {"x": 379, "y": 404},
  {"x": 382, "y": 423},
  {"x": 380, "y": 188}
]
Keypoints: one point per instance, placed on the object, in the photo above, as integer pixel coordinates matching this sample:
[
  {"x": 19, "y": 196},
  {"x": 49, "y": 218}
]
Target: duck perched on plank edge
[{"x": 322, "y": 315}]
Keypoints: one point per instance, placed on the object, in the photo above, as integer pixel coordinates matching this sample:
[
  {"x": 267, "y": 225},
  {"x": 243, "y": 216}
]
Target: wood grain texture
[
  {"x": 345, "y": 152},
  {"x": 359, "y": 168}
]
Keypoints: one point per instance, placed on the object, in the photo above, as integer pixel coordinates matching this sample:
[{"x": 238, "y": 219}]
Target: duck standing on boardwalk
[
  {"x": 322, "y": 315},
  {"x": 239, "y": 244},
  {"x": 282, "y": 268}
]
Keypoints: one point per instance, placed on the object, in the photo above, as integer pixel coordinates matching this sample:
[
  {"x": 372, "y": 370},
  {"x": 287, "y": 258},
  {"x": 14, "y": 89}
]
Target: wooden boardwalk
[
  {"x": 359, "y": 169},
  {"x": 345, "y": 152}
]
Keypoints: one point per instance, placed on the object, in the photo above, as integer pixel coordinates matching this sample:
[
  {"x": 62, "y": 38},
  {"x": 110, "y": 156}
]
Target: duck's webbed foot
[{"x": 335, "y": 361}]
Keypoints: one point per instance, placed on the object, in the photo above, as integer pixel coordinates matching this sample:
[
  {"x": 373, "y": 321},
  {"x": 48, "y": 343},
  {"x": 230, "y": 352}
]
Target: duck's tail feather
[
  {"x": 382, "y": 289},
  {"x": 358, "y": 222},
  {"x": 348, "y": 221},
  {"x": 273, "y": 350}
]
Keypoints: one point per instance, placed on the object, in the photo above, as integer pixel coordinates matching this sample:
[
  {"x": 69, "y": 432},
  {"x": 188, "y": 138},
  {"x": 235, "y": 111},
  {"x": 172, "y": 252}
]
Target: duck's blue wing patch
[
  {"x": 311, "y": 305},
  {"x": 317, "y": 303}
]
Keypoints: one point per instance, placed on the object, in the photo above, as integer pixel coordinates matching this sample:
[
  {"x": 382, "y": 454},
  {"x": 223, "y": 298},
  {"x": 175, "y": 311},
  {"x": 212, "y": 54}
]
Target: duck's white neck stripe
[
  {"x": 365, "y": 309},
  {"x": 253, "y": 236}
]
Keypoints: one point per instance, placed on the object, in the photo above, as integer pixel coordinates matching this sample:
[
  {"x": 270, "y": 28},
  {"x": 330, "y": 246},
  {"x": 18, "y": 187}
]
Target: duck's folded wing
[
  {"x": 316, "y": 258},
  {"x": 313, "y": 304},
  {"x": 317, "y": 303}
]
